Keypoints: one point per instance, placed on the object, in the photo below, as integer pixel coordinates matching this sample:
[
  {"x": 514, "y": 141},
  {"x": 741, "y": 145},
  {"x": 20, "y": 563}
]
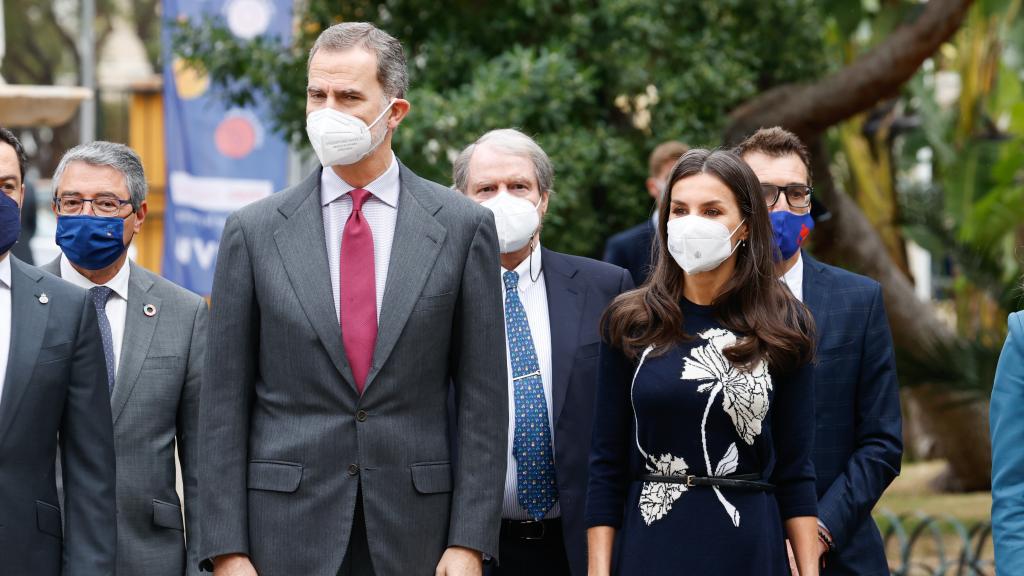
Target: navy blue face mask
[
  {"x": 10, "y": 222},
  {"x": 790, "y": 231},
  {"x": 91, "y": 242}
]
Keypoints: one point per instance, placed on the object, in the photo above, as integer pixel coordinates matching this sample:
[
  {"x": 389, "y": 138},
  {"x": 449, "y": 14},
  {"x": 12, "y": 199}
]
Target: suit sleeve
[
  {"x": 610, "y": 440},
  {"x": 626, "y": 283},
  {"x": 481, "y": 397},
  {"x": 188, "y": 434},
  {"x": 230, "y": 373},
  {"x": 87, "y": 457},
  {"x": 1007, "y": 428},
  {"x": 879, "y": 434},
  {"x": 793, "y": 435}
]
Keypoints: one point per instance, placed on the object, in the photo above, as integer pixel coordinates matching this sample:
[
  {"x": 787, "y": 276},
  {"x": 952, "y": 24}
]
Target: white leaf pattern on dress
[
  {"x": 745, "y": 392},
  {"x": 656, "y": 498},
  {"x": 727, "y": 465},
  {"x": 745, "y": 400}
]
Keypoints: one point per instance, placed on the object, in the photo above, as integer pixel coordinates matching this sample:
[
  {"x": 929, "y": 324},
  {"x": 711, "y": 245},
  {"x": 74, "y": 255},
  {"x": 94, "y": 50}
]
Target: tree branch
[{"x": 808, "y": 109}]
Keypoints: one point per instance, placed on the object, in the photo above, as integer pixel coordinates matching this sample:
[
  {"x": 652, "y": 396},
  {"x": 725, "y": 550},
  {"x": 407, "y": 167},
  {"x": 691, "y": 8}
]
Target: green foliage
[{"x": 598, "y": 83}]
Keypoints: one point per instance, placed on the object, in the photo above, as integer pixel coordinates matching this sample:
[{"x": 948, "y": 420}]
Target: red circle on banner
[{"x": 235, "y": 137}]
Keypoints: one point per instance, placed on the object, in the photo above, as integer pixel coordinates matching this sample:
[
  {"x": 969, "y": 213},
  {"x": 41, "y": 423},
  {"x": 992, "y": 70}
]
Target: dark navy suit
[
  {"x": 578, "y": 290},
  {"x": 858, "y": 440},
  {"x": 633, "y": 249}
]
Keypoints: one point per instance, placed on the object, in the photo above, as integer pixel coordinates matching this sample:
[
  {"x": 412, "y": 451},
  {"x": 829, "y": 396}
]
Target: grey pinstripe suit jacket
[
  {"x": 155, "y": 408},
  {"x": 286, "y": 440}
]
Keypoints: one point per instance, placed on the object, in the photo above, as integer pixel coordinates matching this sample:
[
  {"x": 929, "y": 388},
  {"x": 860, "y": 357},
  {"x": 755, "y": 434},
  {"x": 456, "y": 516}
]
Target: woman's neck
[{"x": 704, "y": 287}]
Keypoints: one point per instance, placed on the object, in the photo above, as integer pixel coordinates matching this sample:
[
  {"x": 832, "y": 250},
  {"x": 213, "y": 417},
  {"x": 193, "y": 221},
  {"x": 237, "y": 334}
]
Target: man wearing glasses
[
  {"x": 153, "y": 334},
  {"x": 858, "y": 435}
]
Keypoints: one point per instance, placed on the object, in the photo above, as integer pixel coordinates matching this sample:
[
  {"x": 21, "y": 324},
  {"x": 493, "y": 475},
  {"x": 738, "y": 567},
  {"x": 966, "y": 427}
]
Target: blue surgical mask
[
  {"x": 91, "y": 242},
  {"x": 790, "y": 231},
  {"x": 10, "y": 222}
]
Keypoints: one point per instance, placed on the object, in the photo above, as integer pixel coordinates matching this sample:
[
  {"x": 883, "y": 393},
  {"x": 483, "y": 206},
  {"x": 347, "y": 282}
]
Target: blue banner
[{"x": 219, "y": 158}]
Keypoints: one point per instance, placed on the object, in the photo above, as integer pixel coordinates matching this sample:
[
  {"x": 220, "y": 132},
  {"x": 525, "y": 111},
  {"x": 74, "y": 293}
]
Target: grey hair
[
  {"x": 117, "y": 156},
  {"x": 513, "y": 142},
  {"x": 392, "y": 72}
]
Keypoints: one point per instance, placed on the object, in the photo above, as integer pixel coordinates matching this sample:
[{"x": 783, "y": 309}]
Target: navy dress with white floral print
[{"x": 688, "y": 411}]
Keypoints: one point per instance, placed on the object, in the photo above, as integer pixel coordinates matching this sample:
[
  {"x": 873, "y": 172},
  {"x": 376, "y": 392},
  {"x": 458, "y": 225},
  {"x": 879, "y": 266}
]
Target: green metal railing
[{"x": 936, "y": 545}]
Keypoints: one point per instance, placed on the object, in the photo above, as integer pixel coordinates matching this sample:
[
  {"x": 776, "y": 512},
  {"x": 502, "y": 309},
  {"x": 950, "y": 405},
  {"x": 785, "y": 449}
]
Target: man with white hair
[
  {"x": 154, "y": 338},
  {"x": 553, "y": 307}
]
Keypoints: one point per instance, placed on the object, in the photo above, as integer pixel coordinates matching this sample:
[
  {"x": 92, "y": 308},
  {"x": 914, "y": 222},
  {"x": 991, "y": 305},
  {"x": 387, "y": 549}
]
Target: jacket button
[
  {"x": 353, "y": 469},
  {"x": 361, "y": 415}
]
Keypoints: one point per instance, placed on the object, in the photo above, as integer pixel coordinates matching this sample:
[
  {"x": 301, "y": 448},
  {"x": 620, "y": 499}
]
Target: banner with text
[{"x": 219, "y": 158}]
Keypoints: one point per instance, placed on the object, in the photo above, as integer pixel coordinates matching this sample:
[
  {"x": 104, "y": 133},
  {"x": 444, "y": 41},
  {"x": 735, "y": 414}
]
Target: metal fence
[{"x": 922, "y": 545}]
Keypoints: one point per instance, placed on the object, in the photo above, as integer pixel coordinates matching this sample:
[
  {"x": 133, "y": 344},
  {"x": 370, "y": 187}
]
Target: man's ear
[{"x": 398, "y": 112}]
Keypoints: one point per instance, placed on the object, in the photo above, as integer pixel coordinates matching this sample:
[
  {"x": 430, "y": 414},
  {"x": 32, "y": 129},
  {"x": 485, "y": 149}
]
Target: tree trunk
[
  {"x": 960, "y": 429},
  {"x": 958, "y": 423}
]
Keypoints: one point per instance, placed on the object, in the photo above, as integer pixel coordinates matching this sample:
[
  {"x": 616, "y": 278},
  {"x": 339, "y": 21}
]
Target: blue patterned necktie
[
  {"x": 536, "y": 489},
  {"x": 100, "y": 295}
]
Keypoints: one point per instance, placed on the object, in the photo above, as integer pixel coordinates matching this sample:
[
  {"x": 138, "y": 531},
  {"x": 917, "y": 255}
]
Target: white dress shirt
[
  {"x": 117, "y": 304},
  {"x": 381, "y": 212},
  {"x": 795, "y": 277},
  {"x": 5, "y": 319},
  {"x": 534, "y": 296}
]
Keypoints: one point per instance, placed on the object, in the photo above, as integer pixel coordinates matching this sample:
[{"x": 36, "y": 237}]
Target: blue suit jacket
[
  {"x": 858, "y": 440},
  {"x": 579, "y": 290},
  {"x": 634, "y": 250},
  {"x": 1006, "y": 420}
]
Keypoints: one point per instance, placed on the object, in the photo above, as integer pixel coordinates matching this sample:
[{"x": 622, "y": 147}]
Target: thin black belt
[
  {"x": 531, "y": 529},
  {"x": 736, "y": 482}
]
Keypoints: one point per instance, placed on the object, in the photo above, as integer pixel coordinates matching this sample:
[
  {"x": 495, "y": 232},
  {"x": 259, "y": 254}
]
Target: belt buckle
[
  {"x": 529, "y": 524},
  {"x": 689, "y": 480}
]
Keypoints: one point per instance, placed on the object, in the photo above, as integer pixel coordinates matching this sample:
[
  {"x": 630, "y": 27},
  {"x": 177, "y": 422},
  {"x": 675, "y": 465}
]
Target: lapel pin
[
  {"x": 149, "y": 310},
  {"x": 43, "y": 298}
]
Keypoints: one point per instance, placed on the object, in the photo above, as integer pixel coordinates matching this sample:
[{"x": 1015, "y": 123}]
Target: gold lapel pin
[
  {"x": 149, "y": 310},
  {"x": 43, "y": 298}
]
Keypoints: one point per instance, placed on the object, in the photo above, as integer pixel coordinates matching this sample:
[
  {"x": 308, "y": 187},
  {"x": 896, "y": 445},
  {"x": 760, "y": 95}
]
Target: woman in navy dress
[{"x": 704, "y": 419}]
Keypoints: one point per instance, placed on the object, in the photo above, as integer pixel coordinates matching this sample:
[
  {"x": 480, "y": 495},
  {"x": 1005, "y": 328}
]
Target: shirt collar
[
  {"x": 119, "y": 283},
  {"x": 794, "y": 278},
  {"x": 526, "y": 273},
  {"x": 384, "y": 188},
  {"x": 5, "y": 271}
]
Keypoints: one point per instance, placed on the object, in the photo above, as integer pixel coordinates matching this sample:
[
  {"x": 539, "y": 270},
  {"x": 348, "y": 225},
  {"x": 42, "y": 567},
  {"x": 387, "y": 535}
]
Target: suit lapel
[
  {"x": 28, "y": 327},
  {"x": 300, "y": 241},
  {"x": 816, "y": 292},
  {"x": 138, "y": 334},
  {"x": 417, "y": 242},
  {"x": 565, "y": 297}
]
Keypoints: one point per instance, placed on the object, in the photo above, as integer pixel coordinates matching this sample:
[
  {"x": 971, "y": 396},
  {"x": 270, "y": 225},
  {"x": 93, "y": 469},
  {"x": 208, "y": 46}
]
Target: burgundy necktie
[{"x": 358, "y": 290}]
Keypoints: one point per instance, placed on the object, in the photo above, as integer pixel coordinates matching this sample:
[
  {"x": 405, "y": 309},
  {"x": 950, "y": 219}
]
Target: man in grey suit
[
  {"x": 52, "y": 388},
  {"x": 342, "y": 308},
  {"x": 154, "y": 338}
]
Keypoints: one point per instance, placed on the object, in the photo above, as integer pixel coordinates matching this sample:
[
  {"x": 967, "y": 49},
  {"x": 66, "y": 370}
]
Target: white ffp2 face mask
[
  {"x": 699, "y": 244},
  {"x": 516, "y": 219},
  {"x": 340, "y": 139}
]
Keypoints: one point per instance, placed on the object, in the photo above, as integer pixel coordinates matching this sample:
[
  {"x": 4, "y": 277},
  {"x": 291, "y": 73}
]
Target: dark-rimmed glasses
[{"x": 798, "y": 195}]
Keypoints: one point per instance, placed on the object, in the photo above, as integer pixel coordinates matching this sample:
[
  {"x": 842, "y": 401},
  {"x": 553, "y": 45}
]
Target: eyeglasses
[
  {"x": 102, "y": 205},
  {"x": 798, "y": 195}
]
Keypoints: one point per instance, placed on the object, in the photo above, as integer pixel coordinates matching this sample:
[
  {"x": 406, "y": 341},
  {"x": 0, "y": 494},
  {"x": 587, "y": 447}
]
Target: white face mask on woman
[
  {"x": 341, "y": 139},
  {"x": 516, "y": 219},
  {"x": 700, "y": 244}
]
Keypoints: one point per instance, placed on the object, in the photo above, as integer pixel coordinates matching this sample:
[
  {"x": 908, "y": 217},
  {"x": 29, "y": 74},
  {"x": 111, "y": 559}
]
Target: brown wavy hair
[{"x": 769, "y": 322}]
